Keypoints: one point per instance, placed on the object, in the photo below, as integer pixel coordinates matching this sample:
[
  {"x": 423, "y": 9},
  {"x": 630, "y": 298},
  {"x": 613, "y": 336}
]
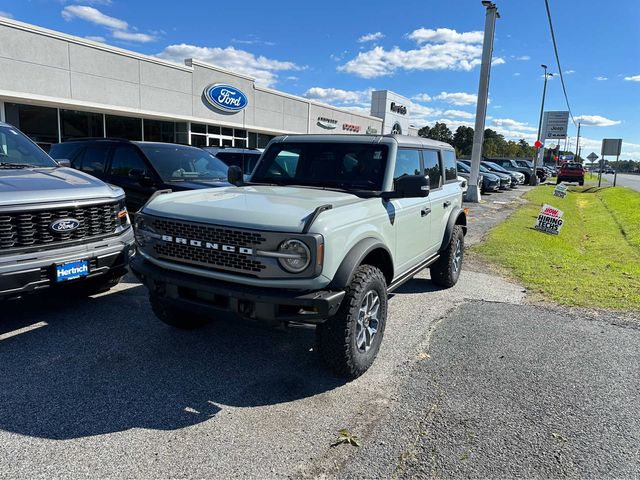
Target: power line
[{"x": 555, "y": 48}]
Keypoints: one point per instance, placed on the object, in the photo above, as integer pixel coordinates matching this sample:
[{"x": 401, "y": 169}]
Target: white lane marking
[{"x": 20, "y": 331}]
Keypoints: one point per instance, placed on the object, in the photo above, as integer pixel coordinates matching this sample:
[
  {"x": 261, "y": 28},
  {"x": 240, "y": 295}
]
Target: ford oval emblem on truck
[
  {"x": 63, "y": 225},
  {"x": 225, "y": 97}
]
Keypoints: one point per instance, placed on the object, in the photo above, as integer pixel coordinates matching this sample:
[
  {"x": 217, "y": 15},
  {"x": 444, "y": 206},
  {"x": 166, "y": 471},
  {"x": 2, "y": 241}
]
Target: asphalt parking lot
[{"x": 99, "y": 387}]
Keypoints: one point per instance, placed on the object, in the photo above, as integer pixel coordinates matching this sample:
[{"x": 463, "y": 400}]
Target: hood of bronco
[{"x": 259, "y": 207}]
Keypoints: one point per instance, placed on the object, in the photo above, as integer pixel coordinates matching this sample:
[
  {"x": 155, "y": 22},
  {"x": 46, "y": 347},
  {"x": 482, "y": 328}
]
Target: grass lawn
[{"x": 594, "y": 262}]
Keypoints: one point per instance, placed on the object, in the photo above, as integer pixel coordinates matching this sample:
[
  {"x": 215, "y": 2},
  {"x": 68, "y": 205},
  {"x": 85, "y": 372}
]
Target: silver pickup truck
[
  {"x": 58, "y": 227},
  {"x": 324, "y": 229}
]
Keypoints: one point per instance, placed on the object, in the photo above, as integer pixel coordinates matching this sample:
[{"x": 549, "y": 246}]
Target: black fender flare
[
  {"x": 354, "y": 259},
  {"x": 456, "y": 214}
]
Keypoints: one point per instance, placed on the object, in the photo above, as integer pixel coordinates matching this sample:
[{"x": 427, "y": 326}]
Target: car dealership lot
[{"x": 99, "y": 386}]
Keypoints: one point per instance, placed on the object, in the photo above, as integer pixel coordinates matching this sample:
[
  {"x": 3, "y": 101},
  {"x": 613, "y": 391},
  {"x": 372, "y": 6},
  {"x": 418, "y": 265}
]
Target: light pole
[
  {"x": 473, "y": 192},
  {"x": 534, "y": 178}
]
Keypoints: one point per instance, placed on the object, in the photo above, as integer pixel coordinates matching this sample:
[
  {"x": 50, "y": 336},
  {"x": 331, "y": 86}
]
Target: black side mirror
[
  {"x": 64, "y": 162},
  {"x": 141, "y": 176},
  {"x": 234, "y": 175},
  {"x": 410, "y": 186}
]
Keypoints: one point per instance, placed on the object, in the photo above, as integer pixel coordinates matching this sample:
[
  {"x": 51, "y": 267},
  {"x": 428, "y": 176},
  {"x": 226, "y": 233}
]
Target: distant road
[{"x": 626, "y": 180}]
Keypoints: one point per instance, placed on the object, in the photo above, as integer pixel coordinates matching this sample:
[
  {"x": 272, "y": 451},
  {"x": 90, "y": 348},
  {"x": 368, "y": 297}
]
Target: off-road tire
[
  {"x": 444, "y": 271},
  {"x": 336, "y": 338},
  {"x": 581, "y": 183},
  {"x": 174, "y": 317}
]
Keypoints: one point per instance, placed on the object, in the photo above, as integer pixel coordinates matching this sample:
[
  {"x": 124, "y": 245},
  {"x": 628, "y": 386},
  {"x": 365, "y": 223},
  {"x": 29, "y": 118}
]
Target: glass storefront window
[
  {"x": 214, "y": 142},
  {"x": 198, "y": 128},
  {"x": 253, "y": 140},
  {"x": 159, "y": 131},
  {"x": 227, "y": 132},
  {"x": 77, "y": 124},
  {"x": 38, "y": 123},
  {"x": 198, "y": 140},
  {"x": 240, "y": 133},
  {"x": 227, "y": 142},
  {"x": 213, "y": 130},
  {"x": 123, "y": 127},
  {"x": 263, "y": 140},
  {"x": 240, "y": 143}
]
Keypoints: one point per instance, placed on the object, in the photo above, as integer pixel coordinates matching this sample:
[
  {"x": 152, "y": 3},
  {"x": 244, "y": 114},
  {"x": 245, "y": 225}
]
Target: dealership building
[{"x": 55, "y": 87}]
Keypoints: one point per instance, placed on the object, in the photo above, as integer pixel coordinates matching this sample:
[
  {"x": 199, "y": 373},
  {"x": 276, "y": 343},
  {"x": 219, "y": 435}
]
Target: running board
[{"x": 409, "y": 274}]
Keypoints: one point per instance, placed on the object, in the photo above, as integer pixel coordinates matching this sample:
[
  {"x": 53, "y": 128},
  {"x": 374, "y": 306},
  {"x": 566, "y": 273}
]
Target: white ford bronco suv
[{"x": 324, "y": 229}]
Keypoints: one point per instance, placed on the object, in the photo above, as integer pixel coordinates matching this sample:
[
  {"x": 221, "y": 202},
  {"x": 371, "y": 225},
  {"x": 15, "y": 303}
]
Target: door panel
[
  {"x": 125, "y": 159},
  {"x": 437, "y": 197}
]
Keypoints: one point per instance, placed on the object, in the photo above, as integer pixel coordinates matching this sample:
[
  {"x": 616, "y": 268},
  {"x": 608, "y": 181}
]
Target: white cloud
[
  {"x": 457, "y": 98},
  {"x": 516, "y": 74},
  {"x": 633, "y": 78},
  {"x": 441, "y": 49},
  {"x": 600, "y": 78},
  {"x": 498, "y": 61},
  {"x": 5, "y": 14},
  {"x": 337, "y": 96},
  {"x": 371, "y": 37},
  {"x": 523, "y": 58},
  {"x": 252, "y": 39},
  {"x": 459, "y": 114},
  {"x": 423, "y": 97},
  {"x": 445, "y": 35},
  {"x": 133, "y": 36},
  {"x": 569, "y": 72},
  {"x": 263, "y": 69},
  {"x": 96, "y": 38},
  {"x": 596, "y": 121},
  {"x": 510, "y": 123},
  {"x": 93, "y": 15},
  {"x": 292, "y": 78},
  {"x": 89, "y": 2}
]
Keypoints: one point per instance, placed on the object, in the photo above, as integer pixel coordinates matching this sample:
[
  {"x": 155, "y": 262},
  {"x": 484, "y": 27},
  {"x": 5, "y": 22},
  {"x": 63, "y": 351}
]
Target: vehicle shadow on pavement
[
  {"x": 418, "y": 285},
  {"x": 106, "y": 364}
]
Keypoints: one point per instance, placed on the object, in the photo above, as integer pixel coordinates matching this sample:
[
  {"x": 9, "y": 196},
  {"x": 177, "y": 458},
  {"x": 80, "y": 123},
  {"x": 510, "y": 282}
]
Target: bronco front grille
[
  {"x": 30, "y": 229},
  {"x": 211, "y": 258}
]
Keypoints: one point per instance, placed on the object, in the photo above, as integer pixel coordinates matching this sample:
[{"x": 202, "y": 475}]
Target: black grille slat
[
  {"x": 217, "y": 259},
  {"x": 31, "y": 229}
]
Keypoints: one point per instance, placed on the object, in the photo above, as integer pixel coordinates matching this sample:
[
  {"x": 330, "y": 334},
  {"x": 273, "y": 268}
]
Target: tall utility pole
[
  {"x": 473, "y": 193},
  {"x": 578, "y": 143},
  {"x": 534, "y": 178}
]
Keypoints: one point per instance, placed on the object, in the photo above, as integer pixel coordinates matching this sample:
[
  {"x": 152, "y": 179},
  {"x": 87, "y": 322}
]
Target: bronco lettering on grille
[{"x": 207, "y": 245}]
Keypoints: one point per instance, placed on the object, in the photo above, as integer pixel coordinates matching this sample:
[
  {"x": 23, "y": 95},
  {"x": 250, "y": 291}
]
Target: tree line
[{"x": 494, "y": 145}]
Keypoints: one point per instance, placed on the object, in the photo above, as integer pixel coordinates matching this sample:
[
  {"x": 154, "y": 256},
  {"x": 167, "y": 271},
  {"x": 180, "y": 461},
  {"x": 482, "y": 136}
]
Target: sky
[{"x": 337, "y": 52}]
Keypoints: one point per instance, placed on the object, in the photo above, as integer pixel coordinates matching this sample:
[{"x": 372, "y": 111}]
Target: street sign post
[
  {"x": 610, "y": 146},
  {"x": 592, "y": 157}
]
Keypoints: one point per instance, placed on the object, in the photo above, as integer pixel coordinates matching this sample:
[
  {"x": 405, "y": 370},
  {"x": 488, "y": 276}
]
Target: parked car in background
[
  {"x": 610, "y": 170},
  {"x": 571, "y": 172},
  {"x": 488, "y": 182},
  {"x": 517, "y": 178},
  {"x": 513, "y": 166},
  {"x": 58, "y": 226},
  {"x": 142, "y": 168},
  {"x": 504, "y": 179},
  {"x": 245, "y": 158},
  {"x": 541, "y": 172}
]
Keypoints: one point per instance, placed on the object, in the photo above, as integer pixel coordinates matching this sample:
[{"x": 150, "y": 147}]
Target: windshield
[
  {"x": 346, "y": 166},
  {"x": 464, "y": 167},
  {"x": 180, "y": 162},
  {"x": 523, "y": 163},
  {"x": 495, "y": 166},
  {"x": 17, "y": 151}
]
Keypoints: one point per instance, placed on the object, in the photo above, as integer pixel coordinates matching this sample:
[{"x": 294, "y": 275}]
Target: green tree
[
  {"x": 463, "y": 140},
  {"x": 441, "y": 132},
  {"x": 424, "y": 132}
]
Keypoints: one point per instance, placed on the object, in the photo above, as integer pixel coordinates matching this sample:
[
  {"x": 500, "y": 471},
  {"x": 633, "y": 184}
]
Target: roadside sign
[
  {"x": 560, "y": 190},
  {"x": 611, "y": 146},
  {"x": 549, "y": 220},
  {"x": 592, "y": 157},
  {"x": 566, "y": 157},
  {"x": 555, "y": 124}
]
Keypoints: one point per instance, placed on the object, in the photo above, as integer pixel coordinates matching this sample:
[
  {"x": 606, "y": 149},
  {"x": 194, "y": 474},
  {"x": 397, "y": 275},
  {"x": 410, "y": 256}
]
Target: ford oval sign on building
[{"x": 225, "y": 97}]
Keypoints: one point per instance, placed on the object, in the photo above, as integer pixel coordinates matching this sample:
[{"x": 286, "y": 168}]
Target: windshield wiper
[{"x": 15, "y": 165}]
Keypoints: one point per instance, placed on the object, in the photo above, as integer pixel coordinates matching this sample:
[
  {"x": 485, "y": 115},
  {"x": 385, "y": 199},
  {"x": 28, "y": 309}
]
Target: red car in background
[{"x": 571, "y": 172}]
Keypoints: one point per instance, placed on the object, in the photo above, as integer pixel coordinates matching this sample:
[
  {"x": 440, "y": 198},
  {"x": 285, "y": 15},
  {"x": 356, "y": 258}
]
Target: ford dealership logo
[
  {"x": 225, "y": 97},
  {"x": 64, "y": 225}
]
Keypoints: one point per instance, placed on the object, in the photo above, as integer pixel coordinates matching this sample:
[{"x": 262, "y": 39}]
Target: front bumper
[
  {"x": 207, "y": 296},
  {"x": 29, "y": 272}
]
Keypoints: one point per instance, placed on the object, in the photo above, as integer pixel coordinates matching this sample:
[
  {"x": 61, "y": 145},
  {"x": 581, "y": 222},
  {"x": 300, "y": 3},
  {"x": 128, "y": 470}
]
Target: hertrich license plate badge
[{"x": 72, "y": 270}]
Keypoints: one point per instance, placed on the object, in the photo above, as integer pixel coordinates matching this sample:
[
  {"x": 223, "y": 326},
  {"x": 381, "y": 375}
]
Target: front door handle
[
  {"x": 447, "y": 204},
  {"x": 425, "y": 211}
]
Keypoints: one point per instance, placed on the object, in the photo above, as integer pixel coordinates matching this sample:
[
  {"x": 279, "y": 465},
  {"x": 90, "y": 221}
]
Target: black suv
[
  {"x": 142, "y": 168},
  {"x": 245, "y": 158}
]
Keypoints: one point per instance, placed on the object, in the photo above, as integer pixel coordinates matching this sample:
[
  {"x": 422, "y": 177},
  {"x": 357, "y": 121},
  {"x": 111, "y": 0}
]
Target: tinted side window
[
  {"x": 432, "y": 167},
  {"x": 407, "y": 163},
  {"x": 126, "y": 159},
  {"x": 64, "y": 150},
  {"x": 449, "y": 160},
  {"x": 285, "y": 164},
  {"x": 92, "y": 160}
]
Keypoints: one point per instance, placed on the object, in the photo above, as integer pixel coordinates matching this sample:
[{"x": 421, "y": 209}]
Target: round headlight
[{"x": 295, "y": 255}]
